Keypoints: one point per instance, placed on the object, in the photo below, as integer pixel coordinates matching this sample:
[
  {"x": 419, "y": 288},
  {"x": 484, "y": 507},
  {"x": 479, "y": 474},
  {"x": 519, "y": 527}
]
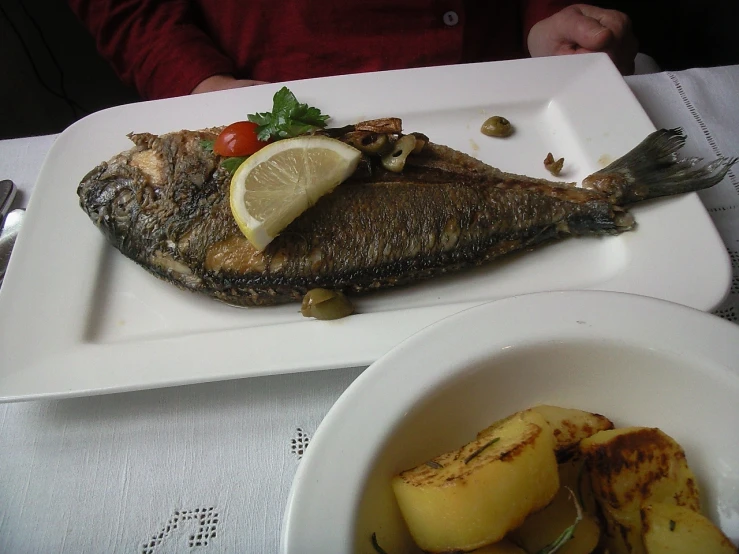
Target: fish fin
[{"x": 653, "y": 169}]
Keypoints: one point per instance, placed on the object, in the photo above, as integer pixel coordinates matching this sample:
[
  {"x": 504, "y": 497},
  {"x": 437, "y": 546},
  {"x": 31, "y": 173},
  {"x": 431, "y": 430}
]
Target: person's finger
[
  {"x": 576, "y": 27},
  {"x": 617, "y": 22},
  {"x": 223, "y": 82},
  {"x": 622, "y": 46},
  {"x": 581, "y": 29}
]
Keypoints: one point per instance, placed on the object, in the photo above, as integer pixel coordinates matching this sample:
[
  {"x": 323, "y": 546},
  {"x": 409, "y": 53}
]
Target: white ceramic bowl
[{"x": 637, "y": 360}]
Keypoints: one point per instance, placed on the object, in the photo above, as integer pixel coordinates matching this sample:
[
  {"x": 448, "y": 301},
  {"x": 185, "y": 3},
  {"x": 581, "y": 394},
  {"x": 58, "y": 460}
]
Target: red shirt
[{"x": 166, "y": 47}]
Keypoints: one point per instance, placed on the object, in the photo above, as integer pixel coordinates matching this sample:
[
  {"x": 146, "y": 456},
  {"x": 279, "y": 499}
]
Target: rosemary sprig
[
  {"x": 435, "y": 465},
  {"x": 376, "y": 545},
  {"x": 672, "y": 524},
  {"x": 567, "y": 534},
  {"x": 477, "y": 452}
]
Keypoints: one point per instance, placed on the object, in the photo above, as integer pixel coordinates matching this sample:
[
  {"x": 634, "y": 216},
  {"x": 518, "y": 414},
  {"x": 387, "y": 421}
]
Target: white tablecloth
[{"x": 207, "y": 468}]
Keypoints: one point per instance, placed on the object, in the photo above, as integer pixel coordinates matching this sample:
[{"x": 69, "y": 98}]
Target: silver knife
[
  {"x": 7, "y": 238},
  {"x": 7, "y": 195}
]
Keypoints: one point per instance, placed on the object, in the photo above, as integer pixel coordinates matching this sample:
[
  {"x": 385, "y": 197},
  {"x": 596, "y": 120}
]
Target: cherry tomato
[{"x": 238, "y": 139}]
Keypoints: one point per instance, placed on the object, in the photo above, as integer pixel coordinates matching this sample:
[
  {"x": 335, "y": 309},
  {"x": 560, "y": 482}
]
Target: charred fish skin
[
  {"x": 165, "y": 205},
  {"x": 160, "y": 202},
  {"x": 381, "y": 233}
]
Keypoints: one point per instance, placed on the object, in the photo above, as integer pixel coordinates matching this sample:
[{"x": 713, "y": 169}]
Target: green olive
[
  {"x": 326, "y": 304},
  {"x": 496, "y": 126}
]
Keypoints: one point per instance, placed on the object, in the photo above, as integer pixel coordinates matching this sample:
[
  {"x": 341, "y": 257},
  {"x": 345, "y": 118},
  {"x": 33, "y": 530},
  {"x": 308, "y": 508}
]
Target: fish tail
[{"x": 653, "y": 169}]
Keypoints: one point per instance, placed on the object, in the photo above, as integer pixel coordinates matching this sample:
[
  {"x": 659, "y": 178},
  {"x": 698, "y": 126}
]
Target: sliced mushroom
[
  {"x": 554, "y": 167},
  {"x": 395, "y": 160},
  {"x": 421, "y": 141},
  {"x": 387, "y": 125},
  {"x": 367, "y": 141}
]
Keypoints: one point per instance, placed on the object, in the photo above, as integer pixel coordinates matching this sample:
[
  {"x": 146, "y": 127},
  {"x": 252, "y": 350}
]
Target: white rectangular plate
[{"x": 78, "y": 318}]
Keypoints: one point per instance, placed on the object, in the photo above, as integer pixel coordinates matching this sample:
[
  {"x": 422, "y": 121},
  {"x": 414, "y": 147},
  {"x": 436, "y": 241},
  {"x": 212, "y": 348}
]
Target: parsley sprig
[
  {"x": 288, "y": 118},
  {"x": 231, "y": 163}
]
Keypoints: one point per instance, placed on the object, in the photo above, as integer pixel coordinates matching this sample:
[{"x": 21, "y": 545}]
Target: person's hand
[
  {"x": 223, "y": 82},
  {"x": 582, "y": 29}
]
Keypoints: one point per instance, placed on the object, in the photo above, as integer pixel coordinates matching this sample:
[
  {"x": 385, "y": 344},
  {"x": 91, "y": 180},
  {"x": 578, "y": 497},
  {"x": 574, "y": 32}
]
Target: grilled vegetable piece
[
  {"x": 568, "y": 426},
  {"x": 473, "y": 496},
  {"x": 629, "y": 468},
  {"x": 544, "y": 527},
  {"x": 670, "y": 529}
]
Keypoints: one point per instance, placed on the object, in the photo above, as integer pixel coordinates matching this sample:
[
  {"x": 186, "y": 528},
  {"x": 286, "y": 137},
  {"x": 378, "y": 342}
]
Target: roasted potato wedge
[
  {"x": 629, "y": 468},
  {"x": 568, "y": 426},
  {"x": 670, "y": 529},
  {"x": 474, "y": 496}
]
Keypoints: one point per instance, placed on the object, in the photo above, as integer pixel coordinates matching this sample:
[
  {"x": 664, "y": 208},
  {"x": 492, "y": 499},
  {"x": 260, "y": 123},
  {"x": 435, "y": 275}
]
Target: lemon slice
[{"x": 285, "y": 178}]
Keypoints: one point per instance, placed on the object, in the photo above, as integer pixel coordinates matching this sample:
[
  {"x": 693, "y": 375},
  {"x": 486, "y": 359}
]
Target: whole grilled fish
[{"x": 165, "y": 205}]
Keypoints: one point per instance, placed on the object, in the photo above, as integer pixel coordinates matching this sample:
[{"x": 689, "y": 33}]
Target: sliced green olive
[
  {"x": 326, "y": 304},
  {"x": 395, "y": 160},
  {"x": 496, "y": 126}
]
